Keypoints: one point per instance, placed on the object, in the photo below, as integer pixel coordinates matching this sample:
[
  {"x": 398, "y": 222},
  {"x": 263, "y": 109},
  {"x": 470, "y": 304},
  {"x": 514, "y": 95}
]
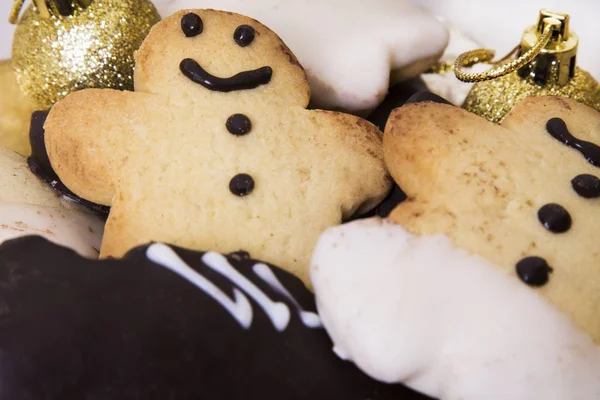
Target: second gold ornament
[{"x": 545, "y": 64}]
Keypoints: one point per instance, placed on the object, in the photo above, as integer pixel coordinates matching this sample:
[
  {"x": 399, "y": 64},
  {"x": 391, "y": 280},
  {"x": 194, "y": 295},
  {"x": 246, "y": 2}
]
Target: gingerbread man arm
[
  {"x": 356, "y": 146},
  {"x": 85, "y": 143}
]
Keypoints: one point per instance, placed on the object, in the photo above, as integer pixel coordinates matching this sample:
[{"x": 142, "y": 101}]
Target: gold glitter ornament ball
[
  {"x": 494, "y": 99},
  {"x": 93, "y": 48}
]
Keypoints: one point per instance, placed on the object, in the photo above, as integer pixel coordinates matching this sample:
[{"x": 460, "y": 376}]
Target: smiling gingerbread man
[{"x": 215, "y": 149}]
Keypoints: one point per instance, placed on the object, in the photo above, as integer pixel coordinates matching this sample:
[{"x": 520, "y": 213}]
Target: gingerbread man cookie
[
  {"x": 215, "y": 149},
  {"x": 524, "y": 195}
]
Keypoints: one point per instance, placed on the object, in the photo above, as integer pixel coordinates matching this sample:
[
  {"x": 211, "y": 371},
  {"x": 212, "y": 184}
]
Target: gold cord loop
[{"x": 486, "y": 56}]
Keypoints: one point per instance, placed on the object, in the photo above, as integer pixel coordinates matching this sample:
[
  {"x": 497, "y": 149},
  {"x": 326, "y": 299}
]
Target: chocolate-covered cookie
[{"x": 164, "y": 323}]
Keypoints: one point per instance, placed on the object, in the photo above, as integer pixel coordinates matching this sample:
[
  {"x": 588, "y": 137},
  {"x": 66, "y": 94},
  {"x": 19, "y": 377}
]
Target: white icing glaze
[
  {"x": 278, "y": 313},
  {"x": 348, "y": 48},
  {"x": 418, "y": 310},
  {"x": 239, "y": 308},
  {"x": 79, "y": 231},
  {"x": 310, "y": 319}
]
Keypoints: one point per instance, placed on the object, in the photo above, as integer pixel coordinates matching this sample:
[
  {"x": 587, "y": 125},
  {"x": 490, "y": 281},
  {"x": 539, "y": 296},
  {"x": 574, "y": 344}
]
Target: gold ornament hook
[{"x": 485, "y": 56}]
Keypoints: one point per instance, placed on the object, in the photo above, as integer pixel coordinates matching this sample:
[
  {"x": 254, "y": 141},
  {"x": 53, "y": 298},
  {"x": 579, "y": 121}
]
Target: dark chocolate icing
[
  {"x": 586, "y": 185},
  {"x": 384, "y": 209},
  {"x": 558, "y": 129},
  {"x": 534, "y": 271},
  {"x": 191, "y": 25},
  {"x": 131, "y": 329},
  {"x": 238, "y": 124},
  {"x": 39, "y": 164},
  {"x": 242, "y": 81},
  {"x": 244, "y": 35},
  {"x": 412, "y": 91},
  {"x": 396, "y": 97},
  {"x": 241, "y": 185},
  {"x": 555, "y": 218},
  {"x": 423, "y": 97}
]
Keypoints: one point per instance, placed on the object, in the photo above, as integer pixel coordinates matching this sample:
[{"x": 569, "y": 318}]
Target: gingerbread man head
[
  {"x": 219, "y": 57},
  {"x": 215, "y": 149}
]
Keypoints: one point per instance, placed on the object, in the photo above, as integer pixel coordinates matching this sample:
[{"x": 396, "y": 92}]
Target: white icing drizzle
[
  {"x": 278, "y": 313},
  {"x": 240, "y": 308},
  {"x": 309, "y": 319}
]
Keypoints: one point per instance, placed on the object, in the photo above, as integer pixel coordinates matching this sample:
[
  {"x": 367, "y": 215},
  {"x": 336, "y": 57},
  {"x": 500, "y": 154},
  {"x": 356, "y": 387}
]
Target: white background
[{"x": 496, "y": 24}]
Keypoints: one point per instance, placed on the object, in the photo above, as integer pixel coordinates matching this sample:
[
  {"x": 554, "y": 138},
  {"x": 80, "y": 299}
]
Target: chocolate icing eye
[
  {"x": 191, "y": 25},
  {"x": 244, "y": 35},
  {"x": 555, "y": 218},
  {"x": 238, "y": 124},
  {"x": 241, "y": 185},
  {"x": 534, "y": 271}
]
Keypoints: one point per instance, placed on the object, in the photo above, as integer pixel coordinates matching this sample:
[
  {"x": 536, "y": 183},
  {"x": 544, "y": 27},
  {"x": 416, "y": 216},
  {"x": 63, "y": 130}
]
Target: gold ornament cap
[
  {"x": 543, "y": 64},
  {"x": 556, "y": 62}
]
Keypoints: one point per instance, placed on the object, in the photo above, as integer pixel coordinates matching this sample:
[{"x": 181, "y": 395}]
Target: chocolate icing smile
[{"x": 242, "y": 81}]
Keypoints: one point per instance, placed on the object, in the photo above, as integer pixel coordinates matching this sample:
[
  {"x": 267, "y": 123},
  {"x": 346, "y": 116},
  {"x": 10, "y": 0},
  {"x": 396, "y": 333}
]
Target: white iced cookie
[
  {"x": 419, "y": 311},
  {"x": 28, "y": 207},
  {"x": 350, "y": 49}
]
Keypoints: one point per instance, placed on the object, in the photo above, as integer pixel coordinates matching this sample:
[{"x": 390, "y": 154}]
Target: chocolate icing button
[
  {"x": 238, "y": 124},
  {"x": 534, "y": 271},
  {"x": 587, "y": 186},
  {"x": 242, "y": 81},
  {"x": 241, "y": 185},
  {"x": 555, "y": 218}
]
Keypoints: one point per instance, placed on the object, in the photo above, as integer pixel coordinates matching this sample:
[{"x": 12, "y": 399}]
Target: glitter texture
[
  {"x": 93, "y": 48},
  {"x": 494, "y": 99}
]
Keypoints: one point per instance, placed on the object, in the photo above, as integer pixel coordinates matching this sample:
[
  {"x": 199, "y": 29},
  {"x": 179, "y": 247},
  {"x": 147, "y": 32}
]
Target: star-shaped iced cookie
[
  {"x": 215, "y": 150},
  {"x": 524, "y": 195},
  {"x": 350, "y": 49}
]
